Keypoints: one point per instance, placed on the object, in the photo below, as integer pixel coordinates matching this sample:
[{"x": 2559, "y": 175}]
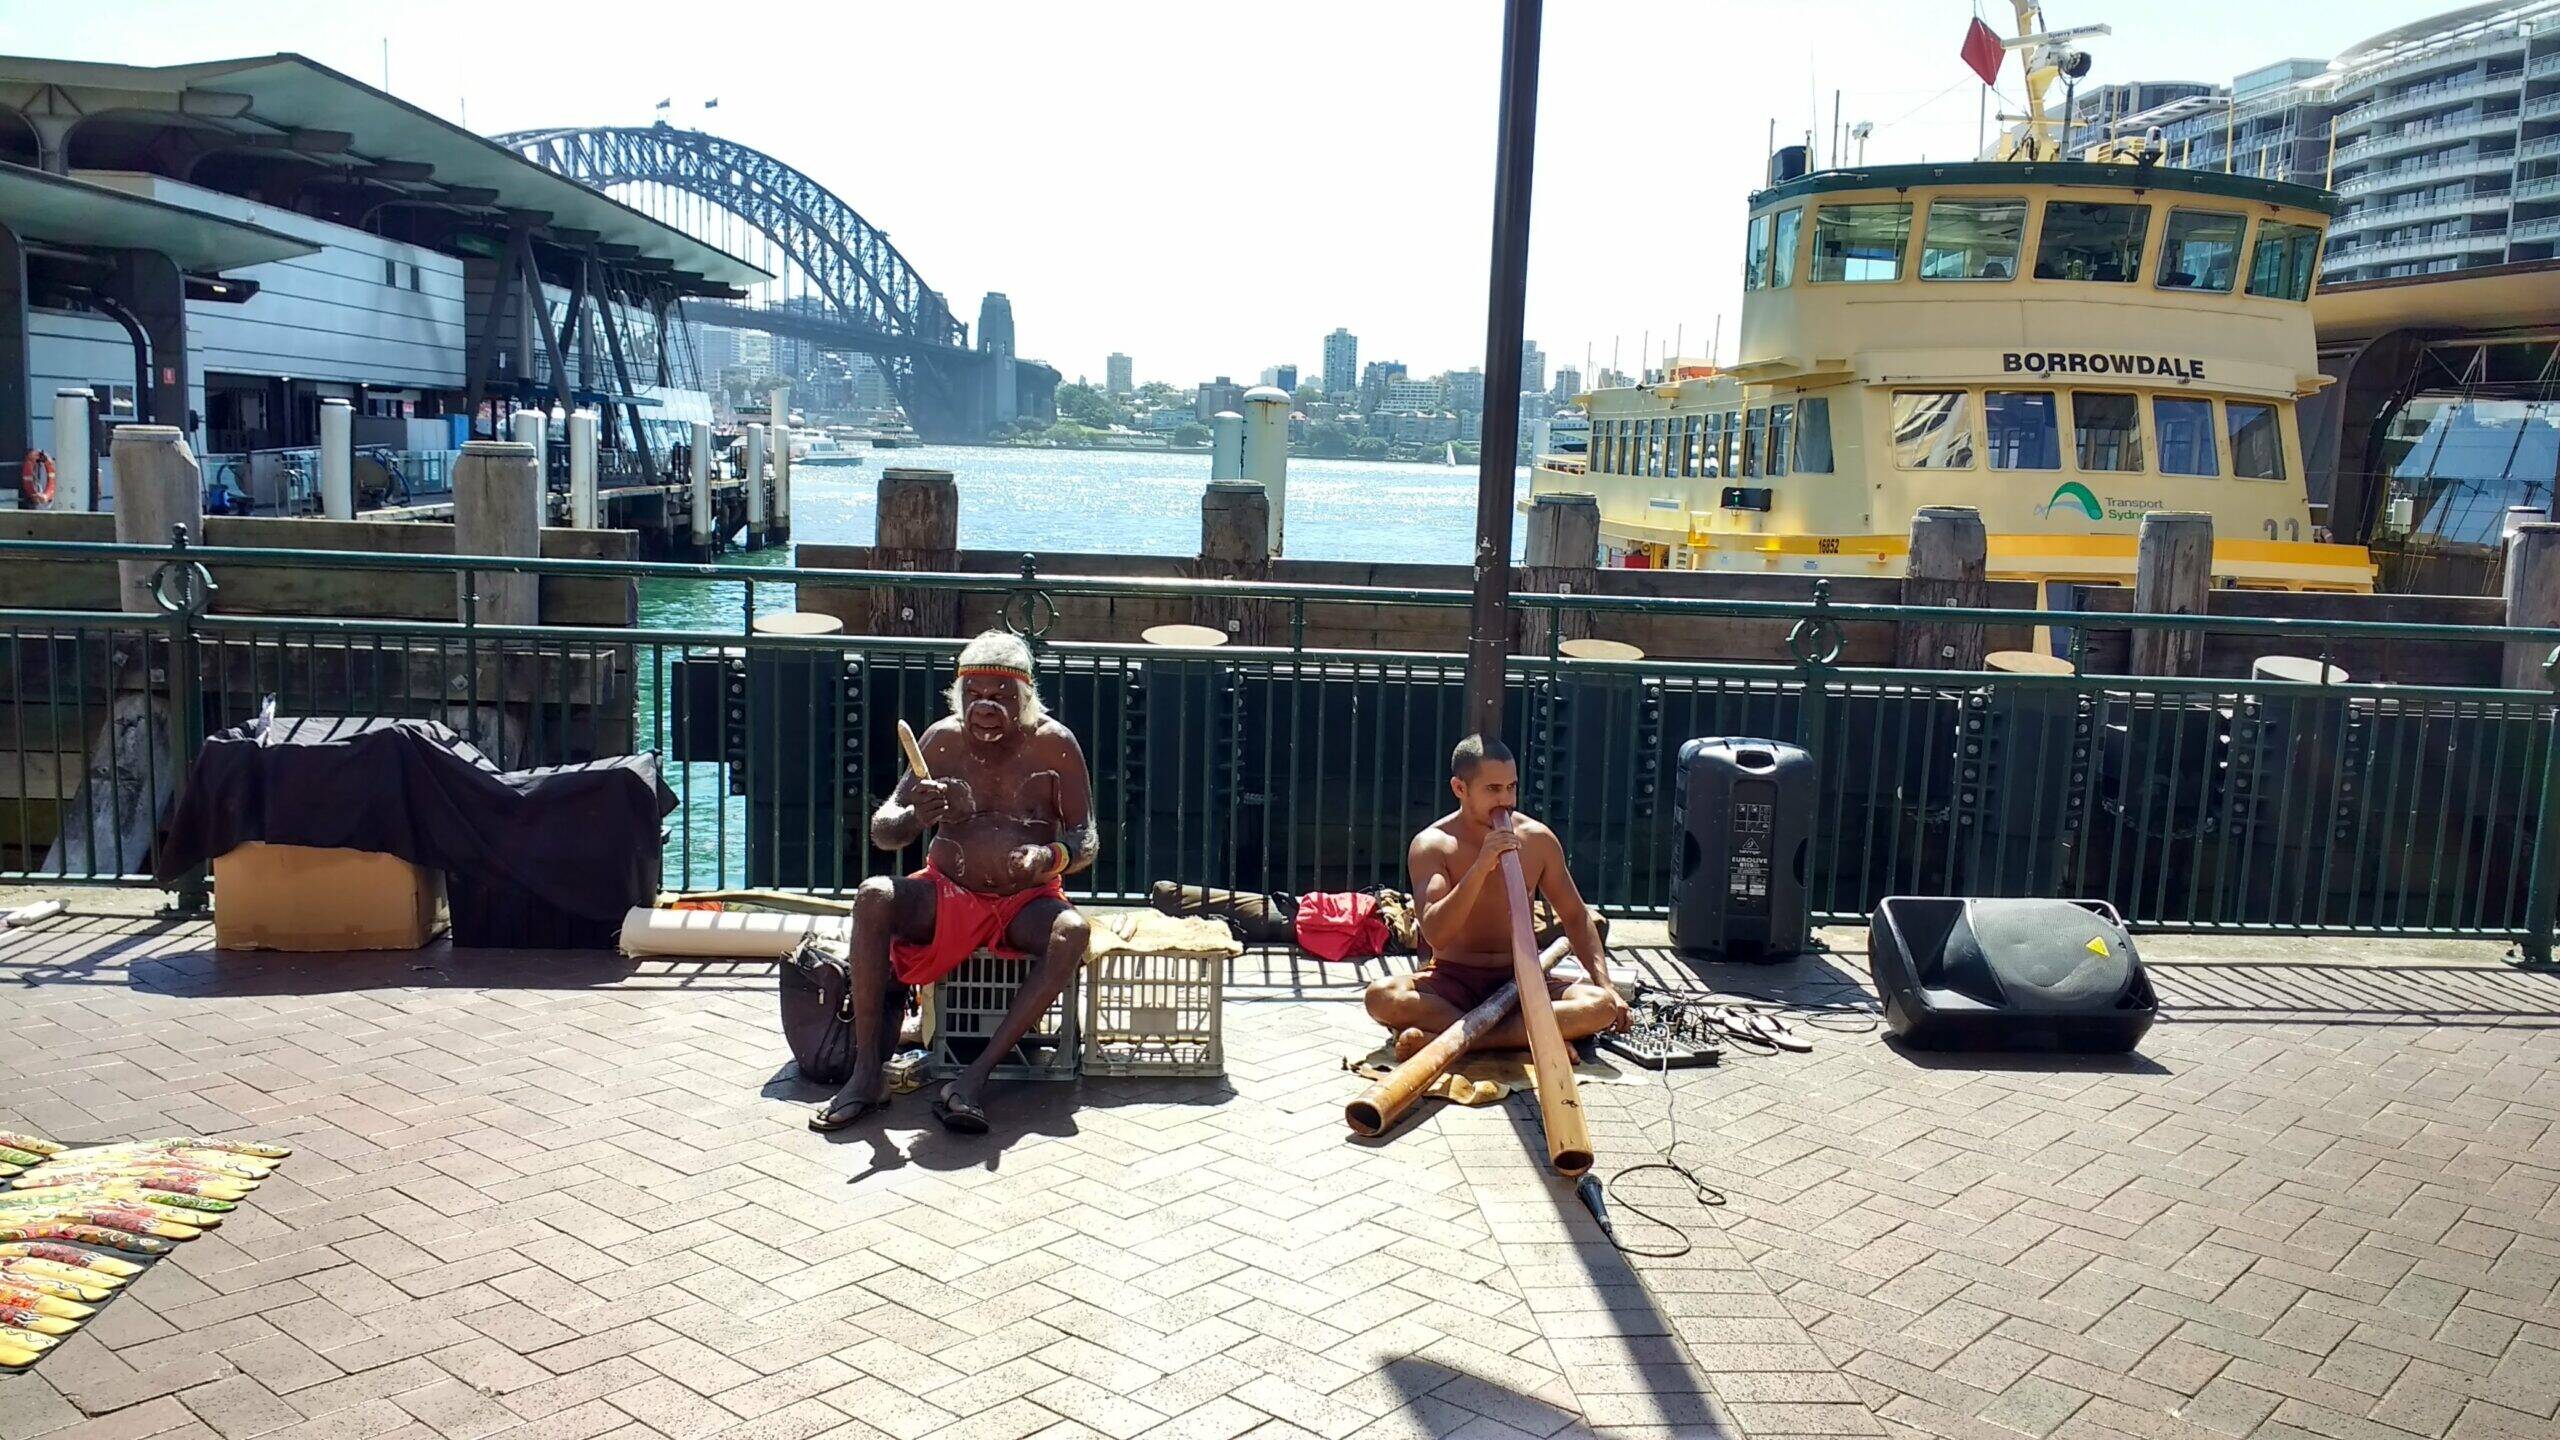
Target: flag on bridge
[
  {"x": 663, "y": 104},
  {"x": 1983, "y": 51},
  {"x": 711, "y": 104}
]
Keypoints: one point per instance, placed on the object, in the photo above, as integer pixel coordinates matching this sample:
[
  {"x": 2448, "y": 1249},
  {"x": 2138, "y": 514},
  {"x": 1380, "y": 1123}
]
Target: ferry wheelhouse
[{"x": 2065, "y": 346}]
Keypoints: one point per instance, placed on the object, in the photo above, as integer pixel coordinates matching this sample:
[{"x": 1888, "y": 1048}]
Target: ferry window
[
  {"x": 1933, "y": 430},
  {"x": 391, "y": 272},
  {"x": 2257, "y": 442},
  {"x": 1973, "y": 239},
  {"x": 1782, "y": 419},
  {"x": 1755, "y": 255},
  {"x": 2106, "y": 430},
  {"x": 1719, "y": 445},
  {"x": 2200, "y": 250},
  {"x": 1659, "y": 440},
  {"x": 1813, "y": 436},
  {"x": 2084, "y": 241},
  {"x": 1751, "y": 424},
  {"x": 1860, "y": 242},
  {"x": 2185, "y": 428},
  {"x": 2020, "y": 427},
  {"x": 1693, "y": 441},
  {"x": 1782, "y": 253},
  {"x": 2280, "y": 266}
]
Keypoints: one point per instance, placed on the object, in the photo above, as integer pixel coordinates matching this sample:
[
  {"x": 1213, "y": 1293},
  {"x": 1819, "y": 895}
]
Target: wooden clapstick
[
  {"x": 915, "y": 752},
  {"x": 1559, "y": 1097},
  {"x": 1381, "y": 1105}
]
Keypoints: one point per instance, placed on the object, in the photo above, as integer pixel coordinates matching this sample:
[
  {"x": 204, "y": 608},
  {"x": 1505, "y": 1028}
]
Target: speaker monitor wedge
[{"x": 1983, "y": 974}]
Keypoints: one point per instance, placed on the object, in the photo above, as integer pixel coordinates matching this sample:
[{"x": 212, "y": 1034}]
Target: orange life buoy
[{"x": 35, "y": 481}]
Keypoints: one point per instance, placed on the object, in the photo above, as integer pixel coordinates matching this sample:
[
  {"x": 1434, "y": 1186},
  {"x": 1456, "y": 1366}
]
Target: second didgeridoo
[
  {"x": 1559, "y": 1097},
  {"x": 1380, "y": 1106}
]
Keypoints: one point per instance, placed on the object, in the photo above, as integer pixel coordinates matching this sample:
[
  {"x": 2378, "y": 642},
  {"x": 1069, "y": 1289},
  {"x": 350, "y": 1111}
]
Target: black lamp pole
[{"x": 1489, "y": 619}]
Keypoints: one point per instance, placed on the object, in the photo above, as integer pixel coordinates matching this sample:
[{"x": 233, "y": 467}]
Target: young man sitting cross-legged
[{"x": 1466, "y": 917}]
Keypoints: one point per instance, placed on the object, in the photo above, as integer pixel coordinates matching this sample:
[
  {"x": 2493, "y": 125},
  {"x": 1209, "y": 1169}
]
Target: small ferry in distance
[{"x": 2064, "y": 346}]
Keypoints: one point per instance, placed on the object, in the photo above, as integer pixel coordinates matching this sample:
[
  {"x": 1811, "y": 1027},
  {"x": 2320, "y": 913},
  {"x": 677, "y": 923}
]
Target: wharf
[{"x": 570, "y": 1194}]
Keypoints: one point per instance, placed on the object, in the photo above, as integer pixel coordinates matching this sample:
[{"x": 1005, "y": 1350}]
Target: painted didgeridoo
[
  {"x": 1559, "y": 1097},
  {"x": 1380, "y": 1106}
]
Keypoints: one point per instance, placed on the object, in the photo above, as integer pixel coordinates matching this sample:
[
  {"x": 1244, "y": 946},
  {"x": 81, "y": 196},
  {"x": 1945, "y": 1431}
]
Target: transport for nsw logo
[{"x": 2073, "y": 494}]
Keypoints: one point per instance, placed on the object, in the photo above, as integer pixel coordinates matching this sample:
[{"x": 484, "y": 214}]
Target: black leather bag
[{"x": 817, "y": 1011}]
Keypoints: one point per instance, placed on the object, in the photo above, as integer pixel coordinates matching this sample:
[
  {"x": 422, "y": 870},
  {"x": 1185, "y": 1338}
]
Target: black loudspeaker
[
  {"x": 1743, "y": 812},
  {"x": 1966, "y": 974}
]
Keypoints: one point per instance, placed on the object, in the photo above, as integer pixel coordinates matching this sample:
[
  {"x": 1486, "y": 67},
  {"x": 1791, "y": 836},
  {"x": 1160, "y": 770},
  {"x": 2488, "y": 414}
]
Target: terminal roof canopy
[
  {"x": 287, "y": 120},
  {"x": 50, "y": 208}
]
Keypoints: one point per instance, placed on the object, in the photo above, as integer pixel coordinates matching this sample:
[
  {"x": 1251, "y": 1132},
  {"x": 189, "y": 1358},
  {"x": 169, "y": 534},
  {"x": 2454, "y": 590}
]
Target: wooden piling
[
  {"x": 497, "y": 510},
  {"x": 158, "y": 485},
  {"x": 1563, "y": 558},
  {"x": 2533, "y": 599},
  {"x": 1949, "y": 551},
  {"x": 1235, "y": 521},
  {"x": 2173, "y": 575},
  {"x": 918, "y": 530}
]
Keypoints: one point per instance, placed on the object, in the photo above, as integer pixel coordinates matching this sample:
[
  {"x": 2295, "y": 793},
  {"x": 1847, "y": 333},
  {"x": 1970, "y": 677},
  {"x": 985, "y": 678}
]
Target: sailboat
[{"x": 1452, "y": 460}]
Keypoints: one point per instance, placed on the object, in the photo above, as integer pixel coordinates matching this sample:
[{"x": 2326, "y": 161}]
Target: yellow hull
[{"x": 2069, "y": 559}]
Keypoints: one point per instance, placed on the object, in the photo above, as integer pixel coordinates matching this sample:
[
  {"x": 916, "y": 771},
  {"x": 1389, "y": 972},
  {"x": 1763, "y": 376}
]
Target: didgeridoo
[
  {"x": 1559, "y": 1097},
  {"x": 1380, "y": 1106}
]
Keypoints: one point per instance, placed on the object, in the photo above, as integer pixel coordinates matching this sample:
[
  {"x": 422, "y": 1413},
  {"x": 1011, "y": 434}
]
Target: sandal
[
  {"x": 1775, "y": 1030},
  {"x": 958, "y": 1116},
  {"x": 831, "y": 1117},
  {"x": 1736, "y": 1023}
]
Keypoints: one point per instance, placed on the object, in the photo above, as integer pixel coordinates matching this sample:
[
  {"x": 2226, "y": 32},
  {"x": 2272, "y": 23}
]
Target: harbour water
[{"x": 1106, "y": 501}]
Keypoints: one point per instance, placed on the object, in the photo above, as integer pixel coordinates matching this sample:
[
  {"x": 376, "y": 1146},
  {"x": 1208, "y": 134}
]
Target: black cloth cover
[{"x": 584, "y": 839}]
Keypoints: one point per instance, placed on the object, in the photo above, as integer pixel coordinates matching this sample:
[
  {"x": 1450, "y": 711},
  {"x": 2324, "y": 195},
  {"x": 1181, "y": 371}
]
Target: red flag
[{"x": 1982, "y": 51}]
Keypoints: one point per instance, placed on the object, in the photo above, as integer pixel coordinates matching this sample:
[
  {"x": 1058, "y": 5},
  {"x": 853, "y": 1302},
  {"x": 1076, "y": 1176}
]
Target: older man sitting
[{"x": 1010, "y": 809}]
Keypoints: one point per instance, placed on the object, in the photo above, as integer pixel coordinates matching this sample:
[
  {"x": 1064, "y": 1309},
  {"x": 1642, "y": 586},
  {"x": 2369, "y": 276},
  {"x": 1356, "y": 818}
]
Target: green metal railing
[{"x": 2190, "y": 803}]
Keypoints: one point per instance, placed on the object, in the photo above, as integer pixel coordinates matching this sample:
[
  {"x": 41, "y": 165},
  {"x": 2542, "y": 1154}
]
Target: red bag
[{"x": 1341, "y": 927}]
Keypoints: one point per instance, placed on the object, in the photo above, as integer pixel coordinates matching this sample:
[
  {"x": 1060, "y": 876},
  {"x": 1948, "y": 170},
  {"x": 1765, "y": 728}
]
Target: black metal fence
[{"x": 2191, "y": 804}]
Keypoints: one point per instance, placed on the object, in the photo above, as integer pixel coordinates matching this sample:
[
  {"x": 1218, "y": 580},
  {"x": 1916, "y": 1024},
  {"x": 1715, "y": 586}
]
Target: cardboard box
[{"x": 295, "y": 897}]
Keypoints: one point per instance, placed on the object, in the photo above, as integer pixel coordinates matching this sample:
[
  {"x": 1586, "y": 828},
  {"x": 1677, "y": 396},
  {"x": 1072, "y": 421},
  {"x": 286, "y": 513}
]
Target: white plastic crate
[
  {"x": 1155, "y": 1015},
  {"x": 965, "y": 1006}
]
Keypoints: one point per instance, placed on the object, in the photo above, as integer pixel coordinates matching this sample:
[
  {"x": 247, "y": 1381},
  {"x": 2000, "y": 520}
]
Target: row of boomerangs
[{"x": 69, "y": 1217}]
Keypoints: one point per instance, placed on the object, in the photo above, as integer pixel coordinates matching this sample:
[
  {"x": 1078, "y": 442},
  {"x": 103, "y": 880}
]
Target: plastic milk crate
[
  {"x": 1155, "y": 1015},
  {"x": 967, "y": 1005}
]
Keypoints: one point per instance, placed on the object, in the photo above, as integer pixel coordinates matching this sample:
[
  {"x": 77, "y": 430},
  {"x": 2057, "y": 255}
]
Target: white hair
[{"x": 1004, "y": 649}]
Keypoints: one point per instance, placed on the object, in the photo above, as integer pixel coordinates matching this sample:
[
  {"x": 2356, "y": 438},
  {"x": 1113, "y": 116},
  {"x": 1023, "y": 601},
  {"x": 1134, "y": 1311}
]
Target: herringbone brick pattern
[
  {"x": 2324, "y": 1201},
  {"x": 569, "y": 1196}
]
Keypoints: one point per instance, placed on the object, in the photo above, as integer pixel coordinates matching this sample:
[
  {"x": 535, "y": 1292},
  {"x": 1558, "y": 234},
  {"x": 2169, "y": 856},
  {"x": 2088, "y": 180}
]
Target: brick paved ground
[{"x": 568, "y": 1196}]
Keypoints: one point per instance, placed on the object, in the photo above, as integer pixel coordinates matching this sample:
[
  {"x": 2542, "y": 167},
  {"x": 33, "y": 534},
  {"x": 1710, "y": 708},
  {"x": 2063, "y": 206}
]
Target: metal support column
[
  {"x": 1497, "y": 470},
  {"x": 16, "y": 437}
]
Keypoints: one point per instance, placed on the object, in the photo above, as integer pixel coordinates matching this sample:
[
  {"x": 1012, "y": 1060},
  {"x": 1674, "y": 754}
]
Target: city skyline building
[
  {"x": 1283, "y": 376},
  {"x": 1568, "y": 384},
  {"x": 1119, "y": 374},
  {"x": 1341, "y": 362},
  {"x": 1373, "y": 381},
  {"x": 2441, "y": 138},
  {"x": 1216, "y": 395},
  {"x": 1465, "y": 391},
  {"x": 1533, "y": 367}
]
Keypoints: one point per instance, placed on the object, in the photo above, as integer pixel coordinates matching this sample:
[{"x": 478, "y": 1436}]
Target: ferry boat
[
  {"x": 2065, "y": 346},
  {"x": 830, "y": 446}
]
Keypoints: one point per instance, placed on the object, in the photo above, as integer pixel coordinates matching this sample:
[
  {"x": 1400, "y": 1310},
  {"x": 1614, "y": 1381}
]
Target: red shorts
[
  {"x": 964, "y": 922},
  {"x": 1468, "y": 986}
]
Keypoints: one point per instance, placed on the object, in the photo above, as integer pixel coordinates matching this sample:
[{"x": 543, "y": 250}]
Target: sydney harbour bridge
[{"x": 840, "y": 285}]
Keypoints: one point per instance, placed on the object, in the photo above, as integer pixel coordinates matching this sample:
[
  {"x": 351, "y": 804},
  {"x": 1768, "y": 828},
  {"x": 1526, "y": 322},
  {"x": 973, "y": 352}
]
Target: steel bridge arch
[{"x": 847, "y": 258}]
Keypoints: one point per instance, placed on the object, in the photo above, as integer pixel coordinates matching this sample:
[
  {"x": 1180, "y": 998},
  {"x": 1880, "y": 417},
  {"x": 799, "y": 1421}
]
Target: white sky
[{"x": 1212, "y": 187}]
